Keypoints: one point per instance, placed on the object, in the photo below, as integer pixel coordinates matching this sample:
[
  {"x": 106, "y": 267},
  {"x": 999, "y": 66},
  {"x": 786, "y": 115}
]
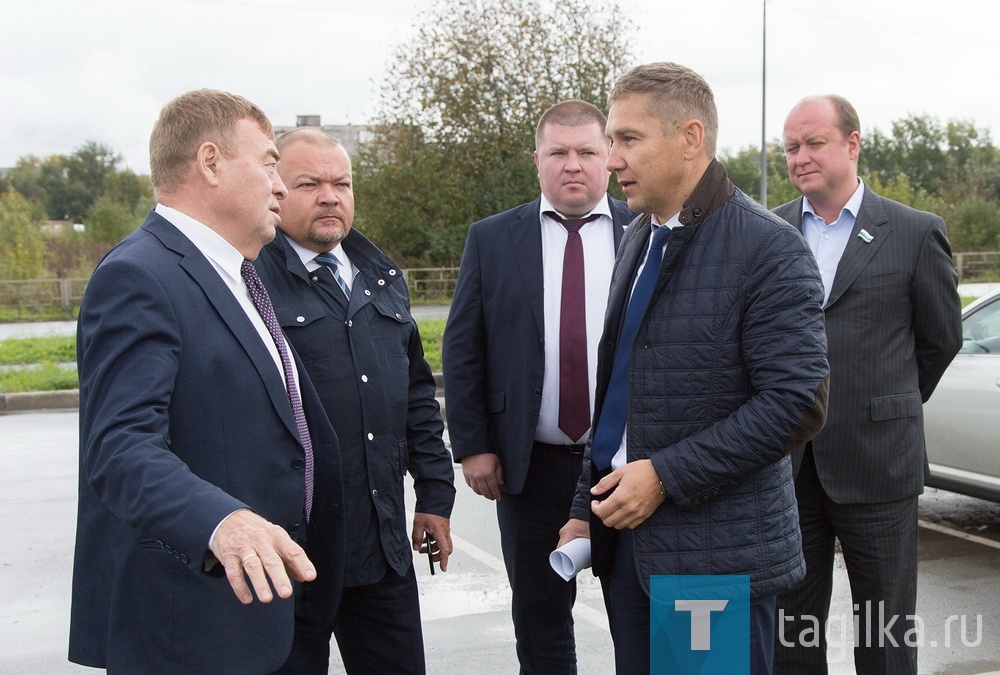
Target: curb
[{"x": 40, "y": 400}]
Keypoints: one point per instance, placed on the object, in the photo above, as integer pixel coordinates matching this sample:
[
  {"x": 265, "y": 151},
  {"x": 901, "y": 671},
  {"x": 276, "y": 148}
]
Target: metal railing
[
  {"x": 979, "y": 266},
  {"x": 24, "y": 298},
  {"x": 20, "y": 299}
]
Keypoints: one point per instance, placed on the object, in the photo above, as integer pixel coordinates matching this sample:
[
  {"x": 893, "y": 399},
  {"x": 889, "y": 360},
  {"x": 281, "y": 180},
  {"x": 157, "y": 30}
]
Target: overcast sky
[{"x": 75, "y": 70}]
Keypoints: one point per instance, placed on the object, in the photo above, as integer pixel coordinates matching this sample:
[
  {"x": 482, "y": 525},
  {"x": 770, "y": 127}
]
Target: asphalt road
[{"x": 466, "y": 610}]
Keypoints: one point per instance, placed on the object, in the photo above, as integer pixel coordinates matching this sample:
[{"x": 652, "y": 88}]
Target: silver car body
[{"x": 962, "y": 417}]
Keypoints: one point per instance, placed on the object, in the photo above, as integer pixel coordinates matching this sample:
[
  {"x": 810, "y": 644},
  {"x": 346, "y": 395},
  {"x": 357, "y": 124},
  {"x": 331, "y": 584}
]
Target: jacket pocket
[
  {"x": 496, "y": 402},
  {"x": 895, "y": 407},
  {"x": 404, "y": 456}
]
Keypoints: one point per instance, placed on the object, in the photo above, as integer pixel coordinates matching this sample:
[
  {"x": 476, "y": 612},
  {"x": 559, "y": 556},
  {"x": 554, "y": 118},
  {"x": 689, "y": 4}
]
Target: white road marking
[{"x": 944, "y": 529}]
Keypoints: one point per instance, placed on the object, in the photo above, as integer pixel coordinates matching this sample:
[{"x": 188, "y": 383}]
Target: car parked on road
[{"x": 962, "y": 418}]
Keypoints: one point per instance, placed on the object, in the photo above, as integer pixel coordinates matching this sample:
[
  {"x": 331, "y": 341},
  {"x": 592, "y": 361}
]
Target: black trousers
[
  {"x": 542, "y": 603},
  {"x": 879, "y": 542},
  {"x": 377, "y": 628},
  {"x": 629, "y": 618}
]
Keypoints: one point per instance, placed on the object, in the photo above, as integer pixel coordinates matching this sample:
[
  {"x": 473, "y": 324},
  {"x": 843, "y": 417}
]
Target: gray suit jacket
[{"x": 893, "y": 322}]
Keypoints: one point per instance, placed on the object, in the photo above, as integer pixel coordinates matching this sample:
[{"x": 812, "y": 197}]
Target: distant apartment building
[{"x": 353, "y": 136}]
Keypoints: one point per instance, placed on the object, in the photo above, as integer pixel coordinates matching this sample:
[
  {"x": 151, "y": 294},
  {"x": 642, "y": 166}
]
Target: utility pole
[{"x": 763, "y": 112}]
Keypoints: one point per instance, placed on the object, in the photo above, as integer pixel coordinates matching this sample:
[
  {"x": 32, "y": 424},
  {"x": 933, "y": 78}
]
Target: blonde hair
[
  {"x": 204, "y": 115},
  {"x": 678, "y": 94}
]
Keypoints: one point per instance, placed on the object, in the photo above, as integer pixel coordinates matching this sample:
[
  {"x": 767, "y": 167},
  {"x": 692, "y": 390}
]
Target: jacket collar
[{"x": 712, "y": 191}]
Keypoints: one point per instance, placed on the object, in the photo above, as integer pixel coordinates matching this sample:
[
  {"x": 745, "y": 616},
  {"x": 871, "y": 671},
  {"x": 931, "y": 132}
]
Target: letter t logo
[{"x": 701, "y": 620}]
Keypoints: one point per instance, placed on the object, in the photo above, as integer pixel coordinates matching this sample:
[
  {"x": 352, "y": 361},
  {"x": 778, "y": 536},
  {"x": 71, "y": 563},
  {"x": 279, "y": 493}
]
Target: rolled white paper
[{"x": 569, "y": 559}]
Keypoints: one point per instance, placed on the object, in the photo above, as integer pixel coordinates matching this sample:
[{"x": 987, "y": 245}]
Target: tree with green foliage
[
  {"x": 22, "y": 254},
  {"x": 108, "y": 221},
  {"x": 953, "y": 160},
  {"x": 66, "y": 187},
  {"x": 951, "y": 169},
  {"x": 454, "y": 132},
  {"x": 744, "y": 170}
]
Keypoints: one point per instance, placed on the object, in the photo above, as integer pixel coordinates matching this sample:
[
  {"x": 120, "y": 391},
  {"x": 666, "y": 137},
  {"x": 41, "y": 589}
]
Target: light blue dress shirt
[{"x": 829, "y": 241}]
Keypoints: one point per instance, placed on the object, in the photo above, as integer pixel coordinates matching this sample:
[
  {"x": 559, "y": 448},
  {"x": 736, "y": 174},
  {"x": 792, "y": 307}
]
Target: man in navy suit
[
  {"x": 206, "y": 461},
  {"x": 893, "y": 322},
  {"x": 512, "y": 374}
]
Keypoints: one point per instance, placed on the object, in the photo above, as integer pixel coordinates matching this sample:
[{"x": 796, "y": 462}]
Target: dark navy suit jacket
[
  {"x": 184, "y": 419},
  {"x": 494, "y": 357}
]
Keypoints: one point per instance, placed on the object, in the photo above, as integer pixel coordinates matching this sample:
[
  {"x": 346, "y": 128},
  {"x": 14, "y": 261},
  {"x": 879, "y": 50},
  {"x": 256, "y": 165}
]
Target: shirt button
[
  {"x": 371, "y": 437},
  {"x": 364, "y": 378},
  {"x": 300, "y": 319}
]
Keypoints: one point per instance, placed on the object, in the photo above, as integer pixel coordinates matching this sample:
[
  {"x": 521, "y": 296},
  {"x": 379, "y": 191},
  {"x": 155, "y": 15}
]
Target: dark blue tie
[
  {"x": 611, "y": 425},
  {"x": 330, "y": 260}
]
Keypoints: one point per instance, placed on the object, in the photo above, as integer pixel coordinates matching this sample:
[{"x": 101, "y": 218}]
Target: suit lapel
[
  {"x": 207, "y": 278},
  {"x": 620, "y": 217},
  {"x": 621, "y": 289},
  {"x": 858, "y": 253},
  {"x": 526, "y": 236}
]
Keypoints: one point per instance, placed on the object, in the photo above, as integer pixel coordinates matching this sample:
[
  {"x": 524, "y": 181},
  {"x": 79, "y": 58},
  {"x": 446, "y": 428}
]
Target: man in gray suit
[{"x": 893, "y": 322}]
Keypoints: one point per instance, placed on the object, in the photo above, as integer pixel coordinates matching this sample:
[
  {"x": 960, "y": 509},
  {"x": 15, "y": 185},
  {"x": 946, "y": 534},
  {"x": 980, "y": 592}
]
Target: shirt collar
[
  {"x": 208, "y": 241},
  {"x": 602, "y": 208},
  {"x": 853, "y": 205},
  {"x": 672, "y": 222},
  {"x": 306, "y": 255}
]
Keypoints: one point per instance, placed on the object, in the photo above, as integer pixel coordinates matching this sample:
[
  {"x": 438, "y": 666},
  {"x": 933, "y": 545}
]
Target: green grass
[
  {"x": 431, "y": 334},
  {"x": 49, "y": 351},
  {"x": 31, "y": 314},
  {"x": 46, "y": 377},
  {"x": 37, "y": 350}
]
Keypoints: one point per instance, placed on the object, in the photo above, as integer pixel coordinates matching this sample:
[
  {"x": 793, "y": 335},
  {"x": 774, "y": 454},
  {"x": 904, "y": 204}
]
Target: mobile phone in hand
[{"x": 430, "y": 548}]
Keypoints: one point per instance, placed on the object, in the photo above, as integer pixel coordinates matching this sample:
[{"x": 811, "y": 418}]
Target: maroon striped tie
[{"x": 574, "y": 380}]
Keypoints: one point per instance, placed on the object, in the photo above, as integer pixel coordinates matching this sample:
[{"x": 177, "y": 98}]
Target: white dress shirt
[
  {"x": 599, "y": 259},
  {"x": 227, "y": 261},
  {"x": 344, "y": 265}
]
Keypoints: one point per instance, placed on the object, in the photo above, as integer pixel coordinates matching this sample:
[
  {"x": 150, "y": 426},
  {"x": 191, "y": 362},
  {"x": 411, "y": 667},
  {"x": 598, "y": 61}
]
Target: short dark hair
[
  {"x": 309, "y": 135},
  {"x": 571, "y": 113},
  {"x": 678, "y": 94}
]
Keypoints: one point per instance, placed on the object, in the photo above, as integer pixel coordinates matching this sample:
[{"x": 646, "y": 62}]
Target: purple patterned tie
[
  {"x": 574, "y": 376},
  {"x": 262, "y": 302}
]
